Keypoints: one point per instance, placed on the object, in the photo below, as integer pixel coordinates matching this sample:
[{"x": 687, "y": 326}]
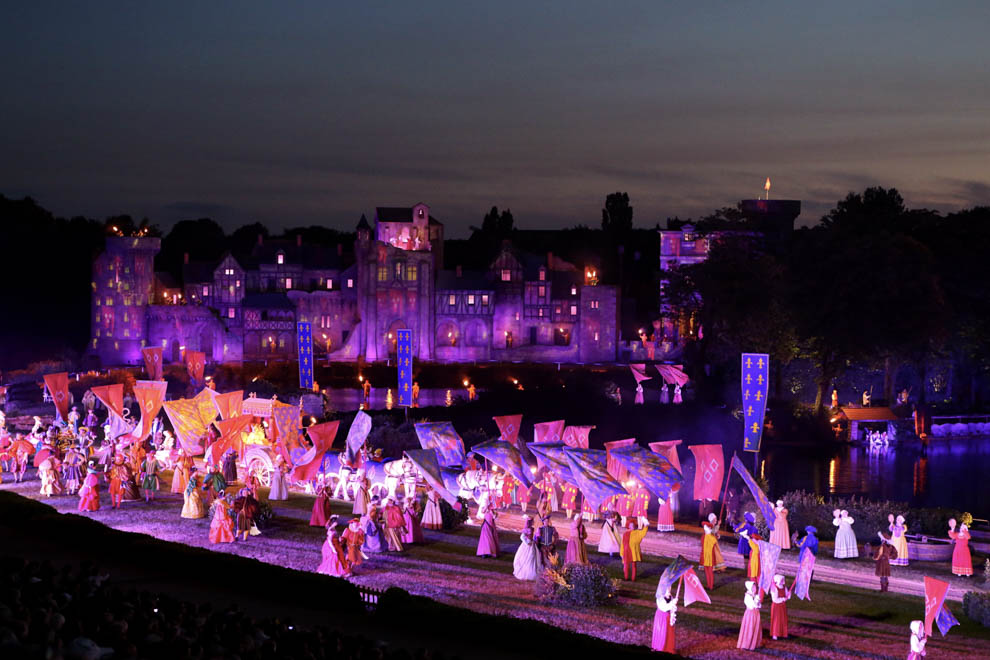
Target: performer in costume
[
  {"x": 72, "y": 472},
  {"x": 528, "y": 562},
  {"x": 962, "y": 561},
  {"x": 569, "y": 499},
  {"x": 136, "y": 453},
  {"x": 665, "y": 515},
  {"x": 181, "y": 472},
  {"x": 230, "y": 466},
  {"x": 749, "y": 527},
  {"x": 663, "y": 623},
  {"x": 640, "y": 505},
  {"x": 810, "y": 542},
  {"x": 546, "y": 541},
  {"x": 278, "y": 489},
  {"x": 778, "y": 607},
  {"x": 21, "y": 454},
  {"x": 361, "y": 496},
  {"x": 414, "y": 531},
  {"x": 221, "y": 526},
  {"x": 488, "y": 539},
  {"x": 845, "y": 539},
  {"x": 751, "y": 630},
  {"x": 630, "y": 550},
  {"x": 247, "y": 509},
  {"x": 334, "y": 560},
  {"x": 610, "y": 542},
  {"x": 898, "y": 539},
  {"x": 781, "y": 534},
  {"x": 118, "y": 475},
  {"x": 753, "y": 560},
  {"x": 395, "y": 525},
  {"x": 149, "y": 476},
  {"x": 432, "y": 518},
  {"x": 354, "y": 539},
  {"x": 885, "y": 553},
  {"x": 192, "y": 503},
  {"x": 577, "y": 551},
  {"x": 374, "y": 539},
  {"x": 214, "y": 485},
  {"x": 918, "y": 641},
  {"x": 48, "y": 473},
  {"x": 711, "y": 555},
  {"x": 89, "y": 494},
  {"x": 321, "y": 513}
]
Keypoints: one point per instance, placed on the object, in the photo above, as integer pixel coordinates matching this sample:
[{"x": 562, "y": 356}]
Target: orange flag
[
  {"x": 935, "y": 591},
  {"x": 111, "y": 396},
  {"x": 150, "y": 399},
  {"x": 230, "y": 438},
  {"x": 195, "y": 363},
  {"x": 508, "y": 427},
  {"x": 229, "y": 404},
  {"x": 153, "y": 362},
  {"x": 309, "y": 463},
  {"x": 668, "y": 449},
  {"x": 58, "y": 387}
]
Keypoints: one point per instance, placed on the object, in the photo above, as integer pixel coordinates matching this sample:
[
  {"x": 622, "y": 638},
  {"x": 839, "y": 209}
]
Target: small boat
[{"x": 924, "y": 548}]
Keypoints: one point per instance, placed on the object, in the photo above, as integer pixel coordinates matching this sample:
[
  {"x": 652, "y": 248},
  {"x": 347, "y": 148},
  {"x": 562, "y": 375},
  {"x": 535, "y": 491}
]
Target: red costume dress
[
  {"x": 569, "y": 501},
  {"x": 663, "y": 626},
  {"x": 354, "y": 538},
  {"x": 321, "y": 509},
  {"x": 778, "y": 611},
  {"x": 962, "y": 561},
  {"x": 221, "y": 527},
  {"x": 395, "y": 526},
  {"x": 89, "y": 494},
  {"x": 640, "y": 502},
  {"x": 665, "y": 516}
]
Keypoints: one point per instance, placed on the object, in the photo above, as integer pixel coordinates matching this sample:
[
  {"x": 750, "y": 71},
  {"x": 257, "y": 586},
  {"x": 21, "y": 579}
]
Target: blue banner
[
  {"x": 405, "y": 364},
  {"x": 652, "y": 470},
  {"x": 769, "y": 554},
  {"x": 755, "y": 385},
  {"x": 758, "y": 495},
  {"x": 507, "y": 457},
  {"x": 304, "y": 344},
  {"x": 589, "y": 468},
  {"x": 674, "y": 572},
  {"x": 945, "y": 620},
  {"x": 806, "y": 568}
]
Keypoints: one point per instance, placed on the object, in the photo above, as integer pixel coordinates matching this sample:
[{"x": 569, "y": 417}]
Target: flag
[
  {"x": 304, "y": 349},
  {"x": 508, "y": 427},
  {"x": 58, "y": 387},
  {"x": 356, "y": 435},
  {"x": 195, "y": 364},
  {"x": 404, "y": 362},
  {"x": 205, "y": 405},
  {"x": 426, "y": 462},
  {"x": 577, "y": 436},
  {"x": 507, "y": 457},
  {"x": 673, "y": 373},
  {"x": 944, "y": 620},
  {"x": 754, "y": 387},
  {"x": 229, "y": 404},
  {"x": 230, "y": 438},
  {"x": 442, "y": 437},
  {"x": 935, "y": 592},
  {"x": 674, "y": 572},
  {"x": 551, "y": 456},
  {"x": 111, "y": 396},
  {"x": 615, "y": 468},
  {"x": 652, "y": 470},
  {"x": 589, "y": 468},
  {"x": 761, "y": 499},
  {"x": 709, "y": 468},
  {"x": 806, "y": 567},
  {"x": 150, "y": 399},
  {"x": 769, "y": 554},
  {"x": 288, "y": 425},
  {"x": 187, "y": 424},
  {"x": 308, "y": 465},
  {"x": 548, "y": 431},
  {"x": 153, "y": 362},
  {"x": 639, "y": 373},
  {"x": 693, "y": 591},
  {"x": 668, "y": 450}
]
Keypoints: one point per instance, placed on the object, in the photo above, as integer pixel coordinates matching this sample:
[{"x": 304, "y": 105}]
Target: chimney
[
  {"x": 549, "y": 260},
  {"x": 298, "y": 240},
  {"x": 185, "y": 258},
  {"x": 340, "y": 249},
  {"x": 261, "y": 239},
  {"x": 459, "y": 271}
]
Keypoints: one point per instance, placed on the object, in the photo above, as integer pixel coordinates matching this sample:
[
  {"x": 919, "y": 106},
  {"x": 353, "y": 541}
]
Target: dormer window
[
  {"x": 573, "y": 290},
  {"x": 350, "y": 284},
  {"x": 506, "y": 275},
  {"x": 280, "y": 258},
  {"x": 329, "y": 284},
  {"x": 288, "y": 283},
  {"x": 420, "y": 213},
  {"x": 206, "y": 291}
]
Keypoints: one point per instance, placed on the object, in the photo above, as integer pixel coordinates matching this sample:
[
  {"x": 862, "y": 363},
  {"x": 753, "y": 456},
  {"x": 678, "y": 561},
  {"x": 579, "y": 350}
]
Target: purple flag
[
  {"x": 674, "y": 572},
  {"x": 590, "y": 469},
  {"x": 761, "y": 499},
  {"x": 507, "y": 457},
  {"x": 802, "y": 583},
  {"x": 356, "y": 435},
  {"x": 945, "y": 620},
  {"x": 769, "y": 553},
  {"x": 442, "y": 437}
]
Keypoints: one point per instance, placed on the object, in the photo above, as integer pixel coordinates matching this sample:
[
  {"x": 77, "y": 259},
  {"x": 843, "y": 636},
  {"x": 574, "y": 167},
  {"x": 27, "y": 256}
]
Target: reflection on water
[
  {"x": 347, "y": 399},
  {"x": 951, "y": 474}
]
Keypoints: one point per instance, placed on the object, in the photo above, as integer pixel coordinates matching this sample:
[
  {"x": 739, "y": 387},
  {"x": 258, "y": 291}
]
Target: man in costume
[
  {"x": 748, "y": 525},
  {"x": 632, "y": 539},
  {"x": 395, "y": 525},
  {"x": 885, "y": 553},
  {"x": 546, "y": 540},
  {"x": 354, "y": 539},
  {"x": 711, "y": 555},
  {"x": 247, "y": 509}
]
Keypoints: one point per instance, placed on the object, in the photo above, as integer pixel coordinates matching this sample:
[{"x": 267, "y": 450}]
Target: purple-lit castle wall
[{"x": 123, "y": 286}]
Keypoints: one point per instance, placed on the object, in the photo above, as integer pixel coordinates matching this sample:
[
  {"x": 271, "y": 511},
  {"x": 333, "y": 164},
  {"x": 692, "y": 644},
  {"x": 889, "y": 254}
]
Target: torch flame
[{"x": 766, "y": 186}]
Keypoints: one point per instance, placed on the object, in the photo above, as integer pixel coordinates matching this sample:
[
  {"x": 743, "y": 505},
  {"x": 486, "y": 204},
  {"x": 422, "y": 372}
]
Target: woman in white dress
[
  {"x": 527, "y": 564},
  {"x": 278, "y": 490},
  {"x": 432, "y": 517},
  {"x": 845, "y": 538},
  {"x": 609, "y": 541}
]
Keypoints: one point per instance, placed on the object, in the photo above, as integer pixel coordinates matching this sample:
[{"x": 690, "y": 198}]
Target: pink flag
[
  {"x": 111, "y": 396},
  {"x": 577, "y": 436},
  {"x": 693, "y": 591},
  {"x": 935, "y": 591},
  {"x": 639, "y": 373},
  {"x": 548, "y": 431},
  {"x": 58, "y": 387},
  {"x": 229, "y": 404},
  {"x": 673, "y": 374},
  {"x": 153, "y": 362},
  {"x": 508, "y": 427},
  {"x": 615, "y": 468},
  {"x": 709, "y": 468},
  {"x": 668, "y": 450},
  {"x": 309, "y": 463}
]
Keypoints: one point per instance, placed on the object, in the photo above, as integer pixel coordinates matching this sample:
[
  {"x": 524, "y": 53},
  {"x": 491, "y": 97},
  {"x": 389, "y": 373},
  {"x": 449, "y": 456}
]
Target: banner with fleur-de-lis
[
  {"x": 304, "y": 345},
  {"x": 755, "y": 385}
]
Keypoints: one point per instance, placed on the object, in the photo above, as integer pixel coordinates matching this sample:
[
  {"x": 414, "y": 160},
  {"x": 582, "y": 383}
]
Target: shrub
[
  {"x": 454, "y": 519},
  {"x": 578, "y": 585},
  {"x": 976, "y": 605},
  {"x": 265, "y": 513}
]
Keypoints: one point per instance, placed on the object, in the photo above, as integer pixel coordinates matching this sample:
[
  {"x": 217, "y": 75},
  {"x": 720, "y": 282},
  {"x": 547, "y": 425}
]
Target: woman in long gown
[
  {"x": 962, "y": 560},
  {"x": 192, "y": 502},
  {"x": 609, "y": 541},
  {"x": 488, "y": 539},
  {"x": 527, "y": 564},
  {"x": 778, "y": 607},
  {"x": 72, "y": 470},
  {"x": 577, "y": 551},
  {"x": 361, "y": 496},
  {"x": 845, "y": 539},
  {"x": 414, "y": 532},
  {"x": 278, "y": 489},
  {"x": 230, "y": 466},
  {"x": 181, "y": 472},
  {"x": 711, "y": 554},
  {"x": 432, "y": 518},
  {"x": 51, "y": 484},
  {"x": 321, "y": 509},
  {"x": 214, "y": 485},
  {"x": 89, "y": 494},
  {"x": 334, "y": 560},
  {"x": 663, "y": 623},
  {"x": 751, "y": 630},
  {"x": 354, "y": 538},
  {"x": 781, "y": 534},
  {"x": 665, "y": 515},
  {"x": 898, "y": 539},
  {"x": 374, "y": 537},
  {"x": 221, "y": 526}
]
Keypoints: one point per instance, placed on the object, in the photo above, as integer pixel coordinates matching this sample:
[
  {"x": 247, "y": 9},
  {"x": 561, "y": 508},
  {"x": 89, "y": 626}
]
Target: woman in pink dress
[
  {"x": 665, "y": 515},
  {"x": 577, "y": 551},
  {"x": 334, "y": 561},
  {"x": 751, "y": 630},
  {"x": 781, "y": 534},
  {"x": 663, "y": 623},
  {"x": 962, "y": 561},
  {"x": 488, "y": 541},
  {"x": 321, "y": 509},
  {"x": 414, "y": 532},
  {"x": 778, "y": 607},
  {"x": 222, "y": 525},
  {"x": 89, "y": 494}
]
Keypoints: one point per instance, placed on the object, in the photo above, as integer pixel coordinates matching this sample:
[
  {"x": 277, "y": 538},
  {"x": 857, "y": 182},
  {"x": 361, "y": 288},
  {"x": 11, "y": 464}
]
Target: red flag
[
  {"x": 150, "y": 399},
  {"x": 693, "y": 591},
  {"x": 508, "y": 427},
  {"x": 309, "y": 463},
  {"x": 58, "y": 387},
  {"x": 229, "y": 404},
  {"x": 153, "y": 362},
  {"x": 668, "y": 450},
  {"x": 195, "y": 363},
  {"x": 111, "y": 396},
  {"x": 615, "y": 468},
  {"x": 935, "y": 591},
  {"x": 548, "y": 431},
  {"x": 577, "y": 436},
  {"x": 709, "y": 468}
]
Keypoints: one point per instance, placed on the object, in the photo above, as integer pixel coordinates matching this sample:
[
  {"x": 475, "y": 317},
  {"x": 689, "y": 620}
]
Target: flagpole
[
  {"x": 728, "y": 474},
  {"x": 680, "y": 583}
]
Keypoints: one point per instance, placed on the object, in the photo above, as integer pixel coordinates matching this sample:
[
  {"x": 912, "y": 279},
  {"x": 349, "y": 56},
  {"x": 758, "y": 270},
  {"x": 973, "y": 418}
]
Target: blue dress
[
  {"x": 810, "y": 544},
  {"x": 749, "y": 528},
  {"x": 374, "y": 538}
]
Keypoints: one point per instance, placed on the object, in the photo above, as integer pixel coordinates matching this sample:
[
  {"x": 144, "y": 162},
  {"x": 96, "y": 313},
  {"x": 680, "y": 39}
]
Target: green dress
[{"x": 149, "y": 470}]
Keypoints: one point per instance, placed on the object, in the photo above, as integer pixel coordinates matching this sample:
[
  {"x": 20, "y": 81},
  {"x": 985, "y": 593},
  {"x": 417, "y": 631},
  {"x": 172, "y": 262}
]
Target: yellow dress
[{"x": 711, "y": 555}]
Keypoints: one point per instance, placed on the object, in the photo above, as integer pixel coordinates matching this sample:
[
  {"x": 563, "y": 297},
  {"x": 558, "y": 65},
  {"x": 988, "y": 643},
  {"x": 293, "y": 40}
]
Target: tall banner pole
[{"x": 754, "y": 387}]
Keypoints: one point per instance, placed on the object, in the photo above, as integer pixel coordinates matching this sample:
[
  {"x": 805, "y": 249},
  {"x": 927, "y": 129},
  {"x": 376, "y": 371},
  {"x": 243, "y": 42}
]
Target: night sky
[{"x": 316, "y": 112}]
